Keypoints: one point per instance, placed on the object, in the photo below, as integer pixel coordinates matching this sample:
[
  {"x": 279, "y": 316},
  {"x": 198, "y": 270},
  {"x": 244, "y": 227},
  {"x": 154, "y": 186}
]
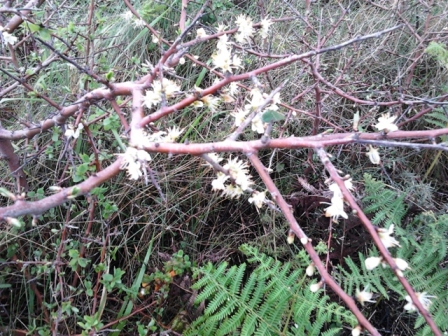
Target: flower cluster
[
  {"x": 222, "y": 58},
  {"x": 239, "y": 172},
  {"x": 6, "y": 37},
  {"x": 245, "y": 29},
  {"x": 265, "y": 24},
  {"x": 154, "y": 96},
  {"x": 134, "y": 161},
  {"x": 70, "y": 132},
  {"x": 336, "y": 209}
]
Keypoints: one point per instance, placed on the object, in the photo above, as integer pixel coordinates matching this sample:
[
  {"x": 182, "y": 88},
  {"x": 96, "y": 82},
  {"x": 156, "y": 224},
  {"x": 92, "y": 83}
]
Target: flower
[
  {"x": 310, "y": 269},
  {"x": 173, "y": 134},
  {"x": 336, "y": 209},
  {"x": 257, "y": 98},
  {"x": 127, "y": 15},
  {"x": 363, "y": 296},
  {"x": 154, "y": 39},
  {"x": 258, "y": 199},
  {"x": 7, "y": 37},
  {"x": 233, "y": 88},
  {"x": 422, "y": 297},
  {"x": 200, "y": 33},
  {"x": 257, "y": 125},
  {"x": 218, "y": 183},
  {"x": 265, "y": 24},
  {"x": 138, "y": 23},
  {"x": 168, "y": 87},
  {"x": 386, "y": 123},
  {"x": 356, "y": 331},
  {"x": 401, "y": 264},
  {"x": 238, "y": 170},
  {"x": 69, "y": 132},
  {"x": 373, "y": 155},
  {"x": 372, "y": 262},
  {"x": 232, "y": 191},
  {"x": 133, "y": 160},
  {"x": 315, "y": 287},
  {"x": 211, "y": 102},
  {"x": 291, "y": 236},
  {"x": 386, "y": 239},
  {"x": 245, "y": 29}
]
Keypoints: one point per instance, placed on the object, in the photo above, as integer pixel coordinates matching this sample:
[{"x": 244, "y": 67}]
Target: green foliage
[
  {"x": 386, "y": 205},
  {"x": 423, "y": 245},
  {"x": 274, "y": 299},
  {"x": 439, "y": 51}
]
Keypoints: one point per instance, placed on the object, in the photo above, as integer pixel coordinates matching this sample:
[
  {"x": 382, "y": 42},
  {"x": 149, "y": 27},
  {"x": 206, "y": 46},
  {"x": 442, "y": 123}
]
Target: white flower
[
  {"x": 363, "y": 296},
  {"x": 154, "y": 39},
  {"x": 373, "y": 155},
  {"x": 348, "y": 184},
  {"x": 258, "y": 199},
  {"x": 245, "y": 29},
  {"x": 133, "y": 160},
  {"x": 315, "y": 287},
  {"x": 8, "y": 38},
  {"x": 218, "y": 183},
  {"x": 173, "y": 134},
  {"x": 336, "y": 190},
  {"x": 69, "y": 132},
  {"x": 291, "y": 236},
  {"x": 221, "y": 27},
  {"x": 372, "y": 262},
  {"x": 257, "y": 98},
  {"x": 310, "y": 269},
  {"x": 211, "y": 102},
  {"x": 200, "y": 33},
  {"x": 168, "y": 87},
  {"x": 401, "y": 264},
  {"x": 233, "y": 88},
  {"x": 238, "y": 170},
  {"x": 386, "y": 239},
  {"x": 239, "y": 116},
  {"x": 336, "y": 209},
  {"x": 265, "y": 24},
  {"x": 182, "y": 60},
  {"x": 139, "y": 23},
  {"x": 356, "y": 331},
  {"x": 386, "y": 123},
  {"x": 257, "y": 125},
  {"x": 127, "y": 15},
  {"x": 232, "y": 191},
  {"x": 422, "y": 297}
]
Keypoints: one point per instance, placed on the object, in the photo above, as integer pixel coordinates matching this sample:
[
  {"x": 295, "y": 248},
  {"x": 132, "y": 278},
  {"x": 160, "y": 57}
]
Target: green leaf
[
  {"x": 272, "y": 116},
  {"x": 45, "y": 34},
  {"x": 33, "y": 27}
]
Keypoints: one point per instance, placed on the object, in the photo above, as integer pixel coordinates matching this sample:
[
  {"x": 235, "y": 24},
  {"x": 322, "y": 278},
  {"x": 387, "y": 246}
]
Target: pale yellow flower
[
  {"x": 372, "y": 262},
  {"x": 173, "y": 133},
  {"x": 373, "y": 155},
  {"x": 7, "y": 37},
  {"x": 127, "y": 16},
  {"x": 257, "y": 125},
  {"x": 401, "y": 264},
  {"x": 422, "y": 297},
  {"x": 138, "y": 23},
  {"x": 291, "y": 236},
  {"x": 240, "y": 116},
  {"x": 133, "y": 160},
  {"x": 200, "y": 33},
  {"x": 363, "y": 296},
  {"x": 356, "y": 331},
  {"x": 245, "y": 29},
  {"x": 218, "y": 183},
  {"x": 310, "y": 270},
  {"x": 211, "y": 102},
  {"x": 265, "y": 24},
  {"x": 315, "y": 287},
  {"x": 258, "y": 199},
  {"x": 386, "y": 123},
  {"x": 336, "y": 209},
  {"x": 232, "y": 191},
  {"x": 386, "y": 239}
]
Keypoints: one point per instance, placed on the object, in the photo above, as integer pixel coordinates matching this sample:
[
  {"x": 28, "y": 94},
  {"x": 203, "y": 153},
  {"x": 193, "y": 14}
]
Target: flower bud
[{"x": 310, "y": 269}]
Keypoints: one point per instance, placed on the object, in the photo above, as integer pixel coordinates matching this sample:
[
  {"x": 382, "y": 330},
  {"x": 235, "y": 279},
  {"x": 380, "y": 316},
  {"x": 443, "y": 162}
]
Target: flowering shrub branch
[{"x": 155, "y": 92}]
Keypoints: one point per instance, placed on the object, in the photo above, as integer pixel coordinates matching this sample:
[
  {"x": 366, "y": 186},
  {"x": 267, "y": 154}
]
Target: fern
[
  {"x": 423, "y": 245},
  {"x": 273, "y": 300}
]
